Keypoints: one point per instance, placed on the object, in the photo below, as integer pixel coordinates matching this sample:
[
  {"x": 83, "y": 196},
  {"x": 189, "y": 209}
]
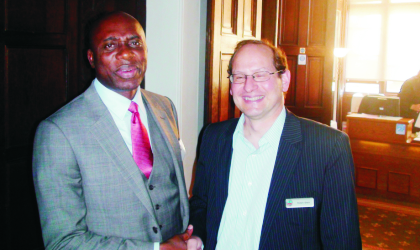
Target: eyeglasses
[{"x": 260, "y": 76}]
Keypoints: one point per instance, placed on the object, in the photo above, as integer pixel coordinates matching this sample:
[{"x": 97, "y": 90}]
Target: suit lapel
[
  {"x": 225, "y": 151},
  {"x": 107, "y": 135},
  {"x": 160, "y": 117},
  {"x": 288, "y": 155},
  {"x": 166, "y": 129}
]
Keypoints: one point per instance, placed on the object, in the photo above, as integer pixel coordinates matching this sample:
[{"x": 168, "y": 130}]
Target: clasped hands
[{"x": 183, "y": 241}]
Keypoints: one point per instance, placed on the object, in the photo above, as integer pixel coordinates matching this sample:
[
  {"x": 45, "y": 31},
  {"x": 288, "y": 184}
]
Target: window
[
  {"x": 384, "y": 42},
  {"x": 368, "y": 88}
]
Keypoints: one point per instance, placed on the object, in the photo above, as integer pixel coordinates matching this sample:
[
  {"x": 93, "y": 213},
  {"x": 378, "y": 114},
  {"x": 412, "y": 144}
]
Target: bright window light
[
  {"x": 405, "y": 1},
  {"x": 366, "y": 88},
  {"x": 383, "y": 42},
  {"x": 393, "y": 86},
  {"x": 364, "y": 38}
]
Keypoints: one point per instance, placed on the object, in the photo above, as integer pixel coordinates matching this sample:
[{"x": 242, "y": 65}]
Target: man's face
[
  {"x": 257, "y": 100},
  {"x": 119, "y": 54}
]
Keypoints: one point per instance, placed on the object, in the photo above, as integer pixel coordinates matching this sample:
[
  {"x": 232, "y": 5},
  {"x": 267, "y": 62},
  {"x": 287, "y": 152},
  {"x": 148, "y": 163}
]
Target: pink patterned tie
[{"x": 142, "y": 152}]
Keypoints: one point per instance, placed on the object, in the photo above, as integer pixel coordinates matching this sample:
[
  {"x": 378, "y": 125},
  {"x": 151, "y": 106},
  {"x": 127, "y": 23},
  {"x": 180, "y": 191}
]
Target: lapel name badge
[{"x": 299, "y": 202}]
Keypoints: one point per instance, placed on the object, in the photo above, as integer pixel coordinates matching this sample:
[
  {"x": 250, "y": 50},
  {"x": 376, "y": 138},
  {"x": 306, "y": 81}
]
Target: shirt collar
[
  {"x": 274, "y": 133},
  {"x": 272, "y": 136},
  {"x": 116, "y": 103}
]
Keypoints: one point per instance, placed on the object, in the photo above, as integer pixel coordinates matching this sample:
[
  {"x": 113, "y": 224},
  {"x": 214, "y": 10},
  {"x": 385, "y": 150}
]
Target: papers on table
[{"x": 391, "y": 118}]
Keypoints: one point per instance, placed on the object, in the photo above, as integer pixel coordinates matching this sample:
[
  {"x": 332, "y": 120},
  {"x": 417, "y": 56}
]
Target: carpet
[{"x": 388, "y": 226}]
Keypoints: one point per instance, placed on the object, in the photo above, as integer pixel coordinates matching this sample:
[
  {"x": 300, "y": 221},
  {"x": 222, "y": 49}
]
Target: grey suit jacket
[{"x": 89, "y": 190}]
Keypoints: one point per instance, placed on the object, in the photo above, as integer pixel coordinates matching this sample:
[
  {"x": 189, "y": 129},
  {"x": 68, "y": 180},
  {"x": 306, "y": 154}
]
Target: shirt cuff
[{"x": 156, "y": 246}]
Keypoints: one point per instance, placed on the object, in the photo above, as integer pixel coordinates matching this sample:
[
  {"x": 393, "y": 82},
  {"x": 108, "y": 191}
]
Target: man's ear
[
  {"x": 285, "y": 79},
  {"x": 90, "y": 58}
]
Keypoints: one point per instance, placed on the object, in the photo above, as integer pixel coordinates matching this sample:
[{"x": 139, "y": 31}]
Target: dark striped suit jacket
[{"x": 313, "y": 160}]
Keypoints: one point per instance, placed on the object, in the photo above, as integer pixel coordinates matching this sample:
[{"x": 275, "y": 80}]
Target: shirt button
[
  {"x": 239, "y": 243},
  {"x": 157, "y": 206},
  {"x": 250, "y": 183},
  {"x": 244, "y": 213},
  {"x": 151, "y": 187},
  {"x": 155, "y": 230}
]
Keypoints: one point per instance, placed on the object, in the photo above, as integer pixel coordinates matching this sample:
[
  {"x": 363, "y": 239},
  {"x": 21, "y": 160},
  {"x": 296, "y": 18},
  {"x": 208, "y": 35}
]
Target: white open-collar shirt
[{"x": 249, "y": 182}]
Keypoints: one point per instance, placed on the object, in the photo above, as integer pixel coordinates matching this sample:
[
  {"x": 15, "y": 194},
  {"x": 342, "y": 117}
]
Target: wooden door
[
  {"x": 306, "y": 28},
  {"x": 229, "y": 21},
  {"x": 43, "y": 66},
  {"x": 38, "y": 75}
]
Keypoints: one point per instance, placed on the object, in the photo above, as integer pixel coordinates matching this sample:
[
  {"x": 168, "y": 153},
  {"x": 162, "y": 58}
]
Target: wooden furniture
[
  {"x": 377, "y": 128},
  {"x": 387, "y": 164}
]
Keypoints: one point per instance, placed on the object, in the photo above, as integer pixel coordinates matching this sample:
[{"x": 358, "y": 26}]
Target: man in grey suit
[{"x": 90, "y": 191}]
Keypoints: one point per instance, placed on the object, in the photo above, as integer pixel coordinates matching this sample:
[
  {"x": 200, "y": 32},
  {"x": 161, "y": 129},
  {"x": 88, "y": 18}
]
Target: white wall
[{"x": 176, "y": 41}]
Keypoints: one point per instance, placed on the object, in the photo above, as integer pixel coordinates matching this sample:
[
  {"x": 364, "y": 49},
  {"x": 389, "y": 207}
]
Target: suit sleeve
[
  {"x": 198, "y": 202},
  {"x": 339, "y": 220},
  {"x": 59, "y": 191}
]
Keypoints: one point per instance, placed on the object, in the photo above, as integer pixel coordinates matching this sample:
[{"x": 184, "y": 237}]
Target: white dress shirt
[
  {"x": 118, "y": 107},
  {"x": 249, "y": 182}
]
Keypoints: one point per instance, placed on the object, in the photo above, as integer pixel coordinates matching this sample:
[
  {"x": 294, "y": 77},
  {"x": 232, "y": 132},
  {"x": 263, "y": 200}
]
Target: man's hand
[
  {"x": 178, "y": 241},
  {"x": 194, "y": 243},
  {"x": 415, "y": 107}
]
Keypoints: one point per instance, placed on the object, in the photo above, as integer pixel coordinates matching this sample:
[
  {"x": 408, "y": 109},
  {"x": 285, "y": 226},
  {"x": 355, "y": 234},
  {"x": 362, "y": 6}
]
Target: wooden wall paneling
[
  {"x": 47, "y": 16},
  {"x": 4, "y": 208},
  {"x": 399, "y": 182},
  {"x": 225, "y": 105},
  {"x": 4, "y": 169},
  {"x": 229, "y": 21},
  {"x": 313, "y": 89},
  {"x": 250, "y": 18},
  {"x": 366, "y": 177},
  {"x": 317, "y": 23},
  {"x": 397, "y": 167},
  {"x": 39, "y": 73},
  {"x": 23, "y": 211},
  {"x": 269, "y": 20},
  {"x": 306, "y": 24},
  {"x": 214, "y": 25},
  {"x": 35, "y": 93},
  {"x": 227, "y": 108},
  {"x": 304, "y": 10},
  {"x": 229, "y": 17},
  {"x": 391, "y": 174},
  {"x": 289, "y": 24},
  {"x": 290, "y": 100}
]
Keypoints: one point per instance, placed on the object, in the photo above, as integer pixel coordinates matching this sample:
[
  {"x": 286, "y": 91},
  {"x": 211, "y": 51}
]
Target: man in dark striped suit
[{"x": 270, "y": 179}]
